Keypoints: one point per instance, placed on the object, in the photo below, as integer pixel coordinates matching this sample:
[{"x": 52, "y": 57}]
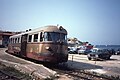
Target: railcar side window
[
  {"x": 10, "y": 40},
  {"x": 18, "y": 40},
  {"x": 35, "y": 37},
  {"x": 15, "y": 40},
  {"x": 30, "y": 38}
]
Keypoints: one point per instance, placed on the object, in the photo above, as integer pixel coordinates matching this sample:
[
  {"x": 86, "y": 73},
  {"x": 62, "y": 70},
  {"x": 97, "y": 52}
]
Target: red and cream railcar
[{"x": 47, "y": 44}]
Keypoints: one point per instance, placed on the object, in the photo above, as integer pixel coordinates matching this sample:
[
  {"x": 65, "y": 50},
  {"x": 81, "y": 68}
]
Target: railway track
[
  {"x": 74, "y": 74},
  {"x": 5, "y": 76}
]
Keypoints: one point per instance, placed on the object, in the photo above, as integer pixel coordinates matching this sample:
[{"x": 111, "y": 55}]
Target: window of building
[{"x": 35, "y": 37}]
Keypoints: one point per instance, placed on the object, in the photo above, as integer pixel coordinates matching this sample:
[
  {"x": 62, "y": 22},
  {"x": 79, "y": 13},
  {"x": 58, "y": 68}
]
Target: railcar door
[{"x": 23, "y": 45}]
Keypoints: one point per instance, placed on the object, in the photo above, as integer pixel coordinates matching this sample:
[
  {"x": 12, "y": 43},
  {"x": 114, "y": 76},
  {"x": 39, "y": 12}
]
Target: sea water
[{"x": 115, "y": 47}]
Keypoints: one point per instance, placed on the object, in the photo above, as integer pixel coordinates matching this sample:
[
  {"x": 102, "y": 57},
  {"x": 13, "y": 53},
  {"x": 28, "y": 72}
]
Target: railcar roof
[{"x": 49, "y": 28}]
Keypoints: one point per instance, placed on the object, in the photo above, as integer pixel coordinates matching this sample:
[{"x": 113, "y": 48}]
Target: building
[
  {"x": 74, "y": 42},
  {"x": 4, "y": 37}
]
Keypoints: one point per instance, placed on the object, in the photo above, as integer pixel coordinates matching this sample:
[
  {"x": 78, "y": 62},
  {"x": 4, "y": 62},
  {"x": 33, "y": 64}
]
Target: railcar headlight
[{"x": 48, "y": 48}]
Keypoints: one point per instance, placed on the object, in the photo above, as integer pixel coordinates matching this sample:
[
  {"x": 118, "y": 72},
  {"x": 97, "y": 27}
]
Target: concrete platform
[
  {"x": 107, "y": 67},
  {"x": 25, "y": 66}
]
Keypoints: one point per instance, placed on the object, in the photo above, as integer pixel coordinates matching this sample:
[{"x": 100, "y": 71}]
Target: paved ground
[{"x": 108, "y": 67}]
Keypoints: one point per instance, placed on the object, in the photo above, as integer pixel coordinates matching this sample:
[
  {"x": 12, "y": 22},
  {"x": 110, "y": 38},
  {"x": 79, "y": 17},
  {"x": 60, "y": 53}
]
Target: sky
[{"x": 94, "y": 21}]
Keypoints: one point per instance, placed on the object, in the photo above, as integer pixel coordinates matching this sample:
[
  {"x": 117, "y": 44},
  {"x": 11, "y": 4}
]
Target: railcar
[{"x": 46, "y": 44}]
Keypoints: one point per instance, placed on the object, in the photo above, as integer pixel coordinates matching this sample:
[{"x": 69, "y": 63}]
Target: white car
[{"x": 72, "y": 50}]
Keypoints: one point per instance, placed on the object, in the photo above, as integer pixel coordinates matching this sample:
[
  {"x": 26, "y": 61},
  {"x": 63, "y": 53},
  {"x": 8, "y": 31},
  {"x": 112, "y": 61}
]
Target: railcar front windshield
[{"x": 54, "y": 36}]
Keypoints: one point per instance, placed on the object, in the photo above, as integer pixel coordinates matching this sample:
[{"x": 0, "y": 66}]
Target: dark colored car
[
  {"x": 117, "y": 52},
  {"x": 112, "y": 51},
  {"x": 99, "y": 54}
]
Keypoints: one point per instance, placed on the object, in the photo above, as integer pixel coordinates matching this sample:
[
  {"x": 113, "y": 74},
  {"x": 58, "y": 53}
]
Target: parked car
[
  {"x": 72, "y": 50},
  {"x": 98, "y": 54},
  {"x": 117, "y": 52},
  {"x": 112, "y": 51}
]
